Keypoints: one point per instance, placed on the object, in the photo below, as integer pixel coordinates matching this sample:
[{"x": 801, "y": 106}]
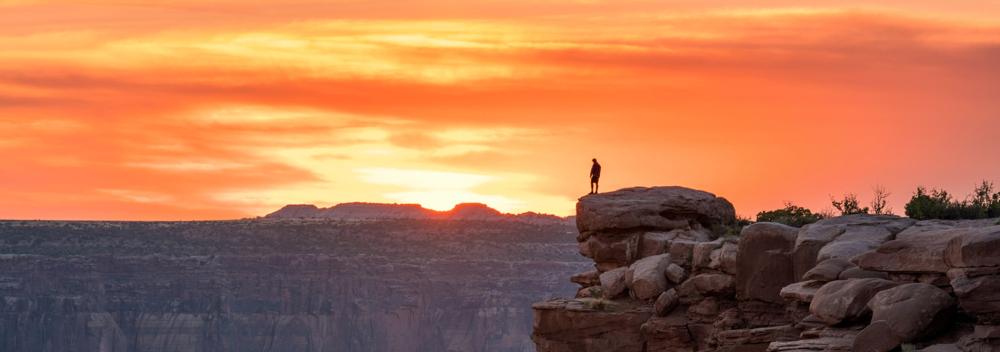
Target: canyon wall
[
  {"x": 671, "y": 274},
  {"x": 278, "y": 285}
]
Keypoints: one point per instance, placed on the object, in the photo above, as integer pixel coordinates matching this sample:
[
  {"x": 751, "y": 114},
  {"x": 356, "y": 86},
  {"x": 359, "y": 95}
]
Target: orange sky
[{"x": 187, "y": 110}]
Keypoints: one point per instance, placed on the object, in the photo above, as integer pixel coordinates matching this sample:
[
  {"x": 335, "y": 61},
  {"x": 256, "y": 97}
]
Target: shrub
[
  {"x": 791, "y": 215},
  {"x": 938, "y": 204},
  {"x": 849, "y": 205}
]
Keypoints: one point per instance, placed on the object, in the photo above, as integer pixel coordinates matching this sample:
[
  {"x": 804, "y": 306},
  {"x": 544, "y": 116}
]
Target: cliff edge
[{"x": 666, "y": 279}]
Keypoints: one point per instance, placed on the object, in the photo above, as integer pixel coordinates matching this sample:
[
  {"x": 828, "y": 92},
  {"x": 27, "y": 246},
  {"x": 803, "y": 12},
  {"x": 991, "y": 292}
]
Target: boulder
[
  {"x": 611, "y": 250},
  {"x": 977, "y": 247},
  {"x": 978, "y": 292},
  {"x": 876, "y": 337},
  {"x": 802, "y": 291},
  {"x": 701, "y": 254},
  {"x": 613, "y": 282},
  {"x": 858, "y": 273},
  {"x": 666, "y": 303},
  {"x": 702, "y": 285},
  {"x": 649, "y": 277},
  {"x": 845, "y": 300},
  {"x": 655, "y": 208},
  {"x": 675, "y": 273},
  {"x": 913, "y": 251},
  {"x": 682, "y": 252},
  {"x": 654, "y": 243},
  {"x": 902, "y": 314},
  {"x": 586, "y": 279},
  {"x": 763, "y": 261},
  {"x": 724, "y": 258},
  {"x": 828, "y": 270},
  {"x": 847, "y": 236}
]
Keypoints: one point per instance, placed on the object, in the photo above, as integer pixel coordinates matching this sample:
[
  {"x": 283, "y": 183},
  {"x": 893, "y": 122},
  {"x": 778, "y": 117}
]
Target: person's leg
[{"x": 597, "y": 187}]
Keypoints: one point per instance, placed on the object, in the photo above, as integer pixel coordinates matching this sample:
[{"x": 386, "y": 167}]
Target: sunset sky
[{"x": 186, "y": 109}]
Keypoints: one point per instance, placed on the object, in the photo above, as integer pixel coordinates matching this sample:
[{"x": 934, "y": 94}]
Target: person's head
[{"x": 594, "y": 159}]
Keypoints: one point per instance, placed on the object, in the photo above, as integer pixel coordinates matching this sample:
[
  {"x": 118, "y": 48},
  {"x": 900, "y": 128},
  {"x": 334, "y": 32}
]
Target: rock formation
[
  {"x": 850, "y": 283},
  {"x": 278, "y": 285}
]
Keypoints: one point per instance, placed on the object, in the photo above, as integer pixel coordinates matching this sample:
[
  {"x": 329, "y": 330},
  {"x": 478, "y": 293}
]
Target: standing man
[{"x": 595, "y": 176}]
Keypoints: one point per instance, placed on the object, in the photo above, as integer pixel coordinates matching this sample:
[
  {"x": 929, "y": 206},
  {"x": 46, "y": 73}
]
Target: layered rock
[
  {"x": 851, "y": 283},
  {"x": 278, "y": 285}
]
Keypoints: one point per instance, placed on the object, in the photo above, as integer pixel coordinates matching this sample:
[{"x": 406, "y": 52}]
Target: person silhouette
[{"x": 595, "y": 176}]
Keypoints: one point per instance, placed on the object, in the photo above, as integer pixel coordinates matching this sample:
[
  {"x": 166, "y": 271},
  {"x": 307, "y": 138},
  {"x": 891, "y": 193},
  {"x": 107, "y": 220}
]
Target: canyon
[{"x": 279, "y": 284}]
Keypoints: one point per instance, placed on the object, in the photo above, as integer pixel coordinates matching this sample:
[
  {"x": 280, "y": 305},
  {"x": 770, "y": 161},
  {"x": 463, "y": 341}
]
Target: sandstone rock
[
  {"x": 853, "y": 242},
  {"x": 858, "y": 273},
  {"x": 847, "y": 237},
  {"x": 828, "y": 270},
  {"x": 845, "y": 300},
  {"x": 757, "y": 336},
  {"x": 587, "y": 279},
  {"x": 977, "y": 247},
  {"x": 682, "y": 252},
  {"x": 656, "y": 208},
  {"x": 614, "y": 250},
  {"x": 613, "y": 282},
  {"x": 902, "y": 314},
  {"x": 701, "y": 254},
  {"x": 654, "y": 243},
  {"x": 912, "y": 251},
  {"x": 578, "y": 325},
  {"x": 978, "y": 292},
  {"x": 825, "y": 344},
  {"x": 675, "y": 273},
  {"x": 757, "y": 314},
  {"x": 706, "y": 285},
  {"x": 705, "y": 310},
  {"x": 724, "y": 258},
  {"x": 876, "y": 337},
  {"x": 802, "y": 291},
  {"x": 666, "y": 303},
  {"x": 649, "y": 276},
  {"x": 763, "y": 261},
  {"x": 670, "y": 333}
]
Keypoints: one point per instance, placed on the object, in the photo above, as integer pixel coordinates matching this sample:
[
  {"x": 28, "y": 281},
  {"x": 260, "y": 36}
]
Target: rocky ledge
[{"x": 667, "y": 278}]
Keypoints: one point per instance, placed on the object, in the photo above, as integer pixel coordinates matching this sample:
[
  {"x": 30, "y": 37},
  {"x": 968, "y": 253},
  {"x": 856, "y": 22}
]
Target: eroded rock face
[
  {"x": 852, "y": 283},
  {"x": 902, "y": 314},
  {"x": 845, "y": 300},
  {"x": 976, "y": 248},
  {"x": 764, "y": 261},
  {"x": 662, "y": 208},
  {"x": 278, "y": 285},
  {"x": 649, "y": 279},
  {"x": 843, "y": 237},
  {"x": 589, "y": 326}
]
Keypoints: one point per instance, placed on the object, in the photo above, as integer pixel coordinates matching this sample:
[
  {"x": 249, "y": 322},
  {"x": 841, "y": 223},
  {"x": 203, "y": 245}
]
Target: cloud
[{"x": 223, "y": 111}]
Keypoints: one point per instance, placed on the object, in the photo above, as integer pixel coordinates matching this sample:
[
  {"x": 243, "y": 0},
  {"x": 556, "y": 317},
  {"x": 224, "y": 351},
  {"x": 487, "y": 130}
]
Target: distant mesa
[{"x": 388, "y": 211}]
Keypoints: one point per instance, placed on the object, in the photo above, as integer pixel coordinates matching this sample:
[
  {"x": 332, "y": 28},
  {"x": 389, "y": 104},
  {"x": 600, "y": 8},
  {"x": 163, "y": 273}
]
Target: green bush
[
  {"x": 939, "y": 204},
  {"x": 791, "y": 215},
  {"x": 849, "y": 205}
]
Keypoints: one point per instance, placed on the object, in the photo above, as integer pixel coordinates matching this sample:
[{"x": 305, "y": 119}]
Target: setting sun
[{"x": 176, "y": 110}]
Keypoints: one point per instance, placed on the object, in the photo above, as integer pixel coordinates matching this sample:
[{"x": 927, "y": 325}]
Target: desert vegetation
[{"x": 982, "y": 203}]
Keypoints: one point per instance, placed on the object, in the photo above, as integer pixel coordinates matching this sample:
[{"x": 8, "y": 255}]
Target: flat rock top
[{"x": 651, "y": 208}]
